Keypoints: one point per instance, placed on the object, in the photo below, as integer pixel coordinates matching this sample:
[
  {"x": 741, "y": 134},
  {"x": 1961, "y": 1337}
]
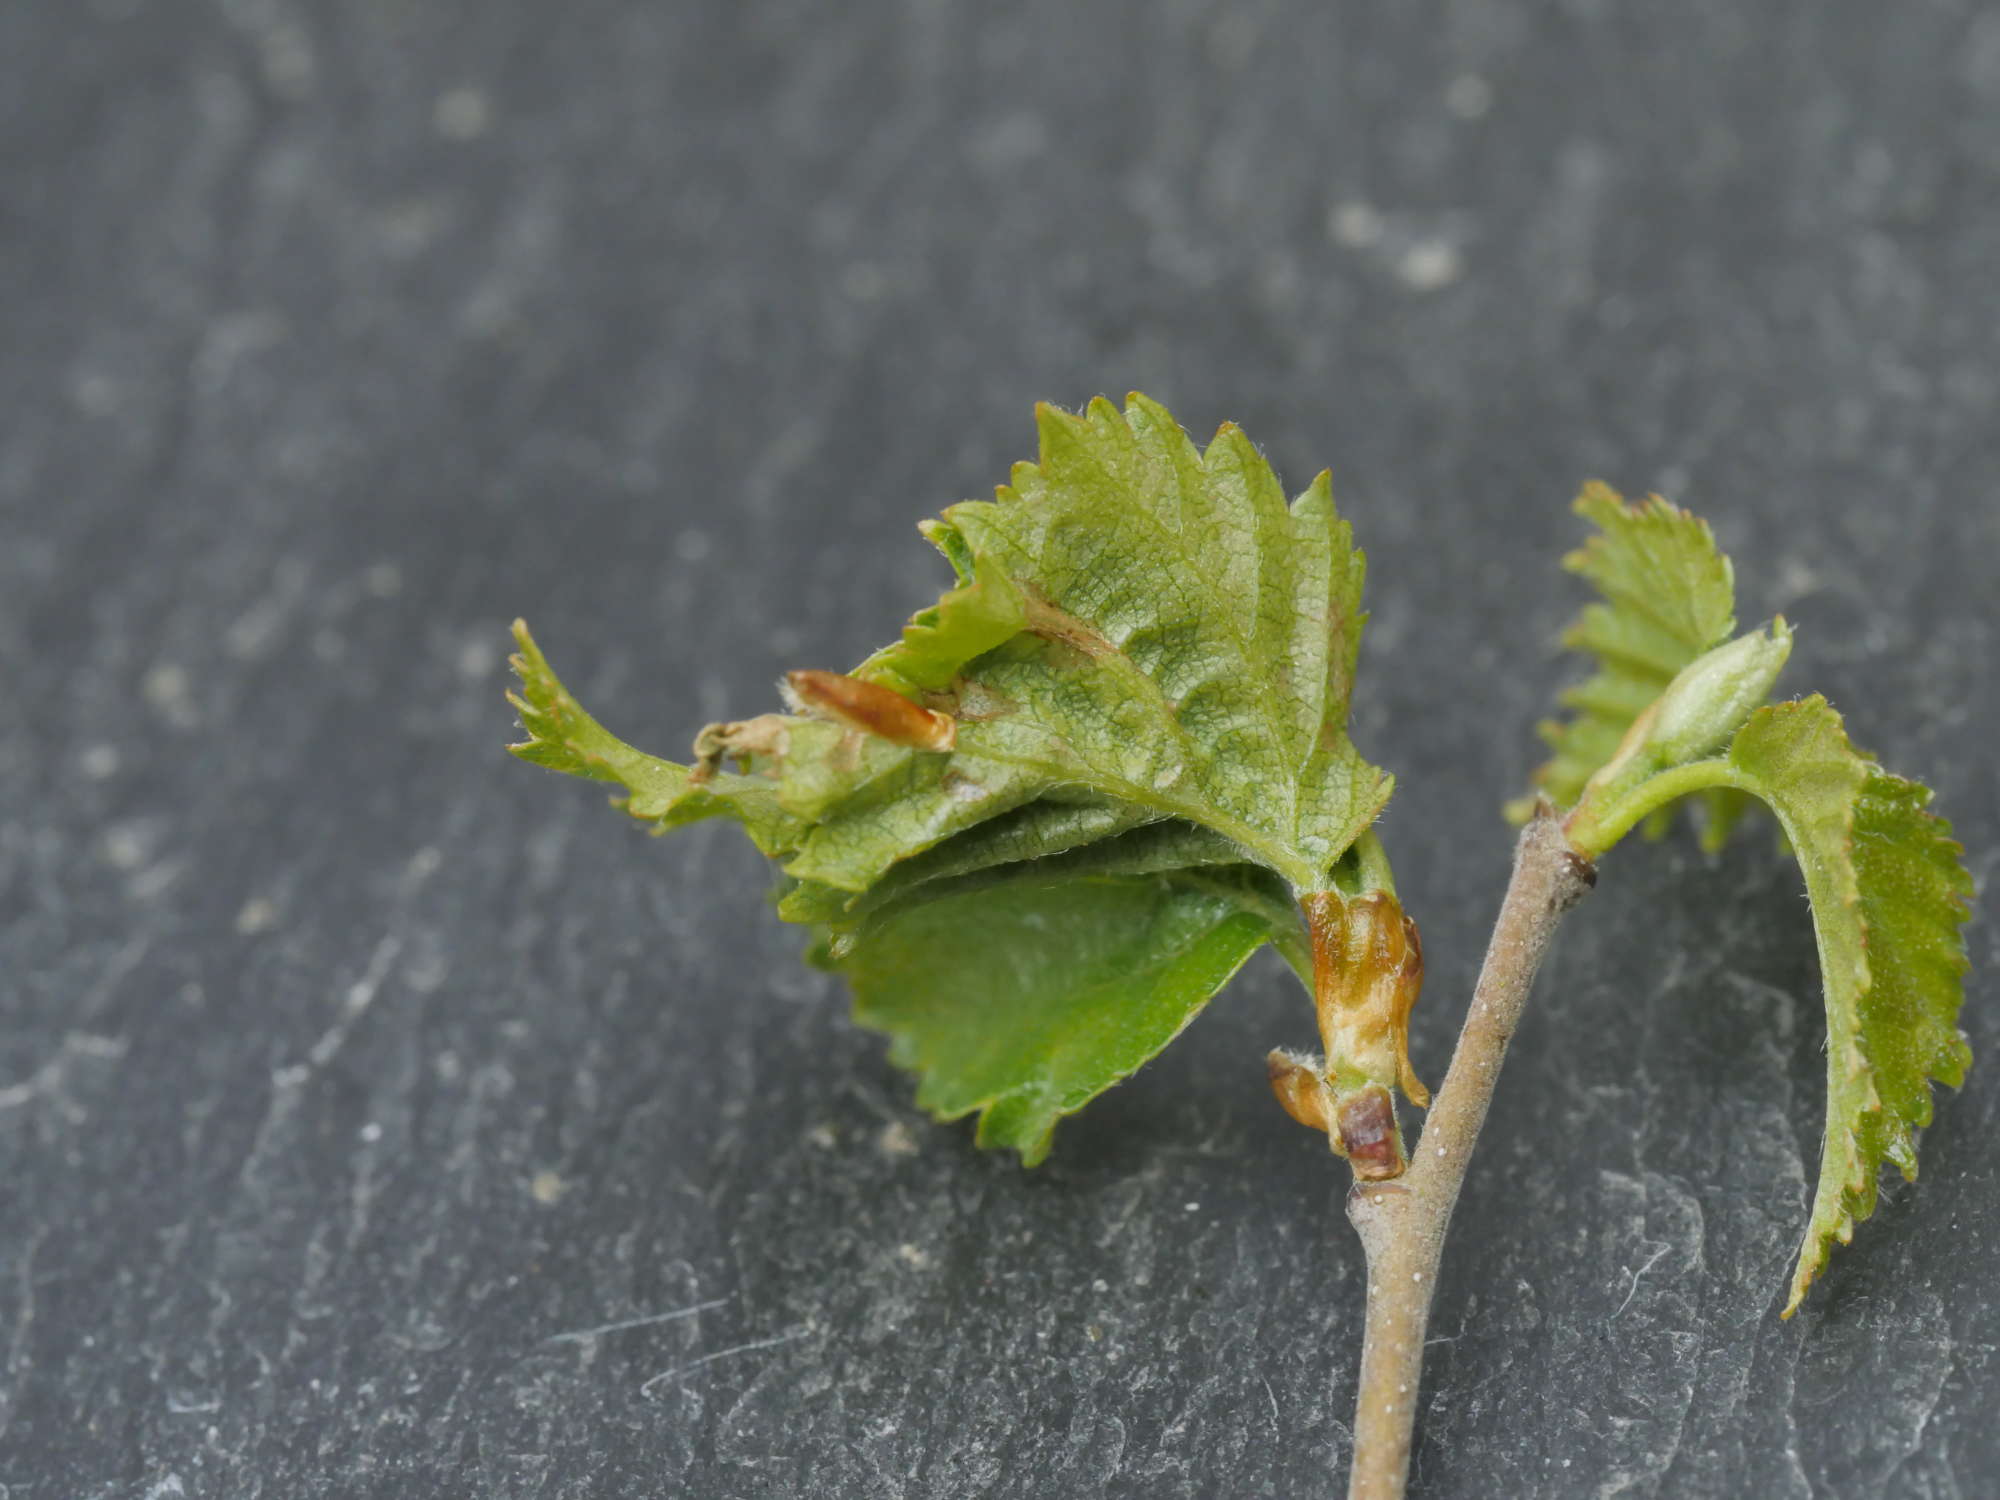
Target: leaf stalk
[{"x": 1593, "y": 830}]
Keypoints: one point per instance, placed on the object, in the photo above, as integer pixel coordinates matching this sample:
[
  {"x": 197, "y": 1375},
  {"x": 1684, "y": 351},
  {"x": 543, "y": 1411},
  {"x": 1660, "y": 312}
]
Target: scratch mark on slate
[
  {"x": 579, "y": 1335},
  {"x": 695, "y": 1364}
]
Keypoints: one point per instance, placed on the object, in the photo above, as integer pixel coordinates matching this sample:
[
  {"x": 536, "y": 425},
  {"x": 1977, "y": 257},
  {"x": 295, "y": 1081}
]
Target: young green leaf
[
  {"x": 1024, "y": 999},
  {"x": 1889, "y": 893},
  {"x": 1139, "y": 625},
  {"x": 1190, "y": 637},
  {"x": 1046, "y": 824},
  {"x": 1668, "y": 597}
]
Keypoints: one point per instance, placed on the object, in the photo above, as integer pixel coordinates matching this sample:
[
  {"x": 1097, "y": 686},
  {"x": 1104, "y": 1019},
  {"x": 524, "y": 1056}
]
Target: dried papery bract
[
  {"x": 1296, "y": 1080},
  {"x": 742, "y": 741},
  {"x": 871, "y": 709}
]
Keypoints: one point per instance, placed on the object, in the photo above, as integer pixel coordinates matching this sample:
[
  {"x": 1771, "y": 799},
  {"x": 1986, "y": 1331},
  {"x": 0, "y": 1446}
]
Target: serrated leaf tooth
[
  {"x": 1668, "y": 596},
  {"x": 1067, "y": 454},
  {"x": 1148, "y": 416}
]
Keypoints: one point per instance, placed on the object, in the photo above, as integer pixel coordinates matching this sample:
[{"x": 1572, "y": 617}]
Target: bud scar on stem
[{"x": 1368, "y": 967}]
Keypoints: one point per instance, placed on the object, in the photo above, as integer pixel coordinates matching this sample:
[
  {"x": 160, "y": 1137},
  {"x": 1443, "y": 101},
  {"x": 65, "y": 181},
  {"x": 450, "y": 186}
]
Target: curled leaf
[
  {"x": 1131, "y": 707},
  {"x": 1889, "y": 893}
]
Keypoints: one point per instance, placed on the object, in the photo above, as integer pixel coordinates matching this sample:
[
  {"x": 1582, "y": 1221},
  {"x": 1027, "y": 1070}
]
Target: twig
[{"x": 1402, "y": 1223}]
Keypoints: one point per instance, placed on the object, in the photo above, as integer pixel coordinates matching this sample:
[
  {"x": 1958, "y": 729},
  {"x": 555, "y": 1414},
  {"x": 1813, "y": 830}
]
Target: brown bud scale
[
  {"x": 870, "y": 708},
  {"x": 1366, "y": 1135},
  {"x": 1296, "y": 1082},
  {"x": 1368, "y": 969}
]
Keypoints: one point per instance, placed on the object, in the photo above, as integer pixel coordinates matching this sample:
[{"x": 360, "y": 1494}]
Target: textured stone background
[{"x": 351, "y": 1074}]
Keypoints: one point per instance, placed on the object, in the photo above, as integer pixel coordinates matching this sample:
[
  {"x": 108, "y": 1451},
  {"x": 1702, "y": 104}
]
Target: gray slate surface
[{"x": 351, "y": 1074}]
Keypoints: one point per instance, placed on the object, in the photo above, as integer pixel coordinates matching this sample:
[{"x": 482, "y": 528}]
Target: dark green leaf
[{"x": 1026, "y": 998}]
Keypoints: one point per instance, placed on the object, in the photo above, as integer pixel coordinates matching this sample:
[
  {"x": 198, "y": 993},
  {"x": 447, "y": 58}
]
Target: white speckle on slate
[
  {"x": 427, "y": 971},
  {"x": 153, "y": 881},
  {"x": 95, "y": 395},
  {"x": 99, "y": 762},
  {"x": 896, "y": 1139},
  {"x": 167, "y": 689},
  {"x": 462, "y": 114},
  {"x": 1429, "y": 265},
  {"x": 478, "y": 655},
  {"x": 126, "y": 845},
  {"x": 1354, "y": 225},
  {"x": 258, "y": 915},
  {"x": 1468, "y": 96}
]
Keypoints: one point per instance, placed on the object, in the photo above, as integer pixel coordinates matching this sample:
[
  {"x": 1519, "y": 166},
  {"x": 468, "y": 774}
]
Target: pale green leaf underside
[
  {"x": 1668, "y": 596},
  {"x": 1148, "y": 656},
  {"x": 1025, "y": 999},
  {"x": 1139, "y": 626},
  {"x": 1889, "y": 893}
]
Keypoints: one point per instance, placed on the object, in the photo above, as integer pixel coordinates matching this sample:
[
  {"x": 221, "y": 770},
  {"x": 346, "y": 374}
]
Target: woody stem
[{"x": 1402, "y": 1223}]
